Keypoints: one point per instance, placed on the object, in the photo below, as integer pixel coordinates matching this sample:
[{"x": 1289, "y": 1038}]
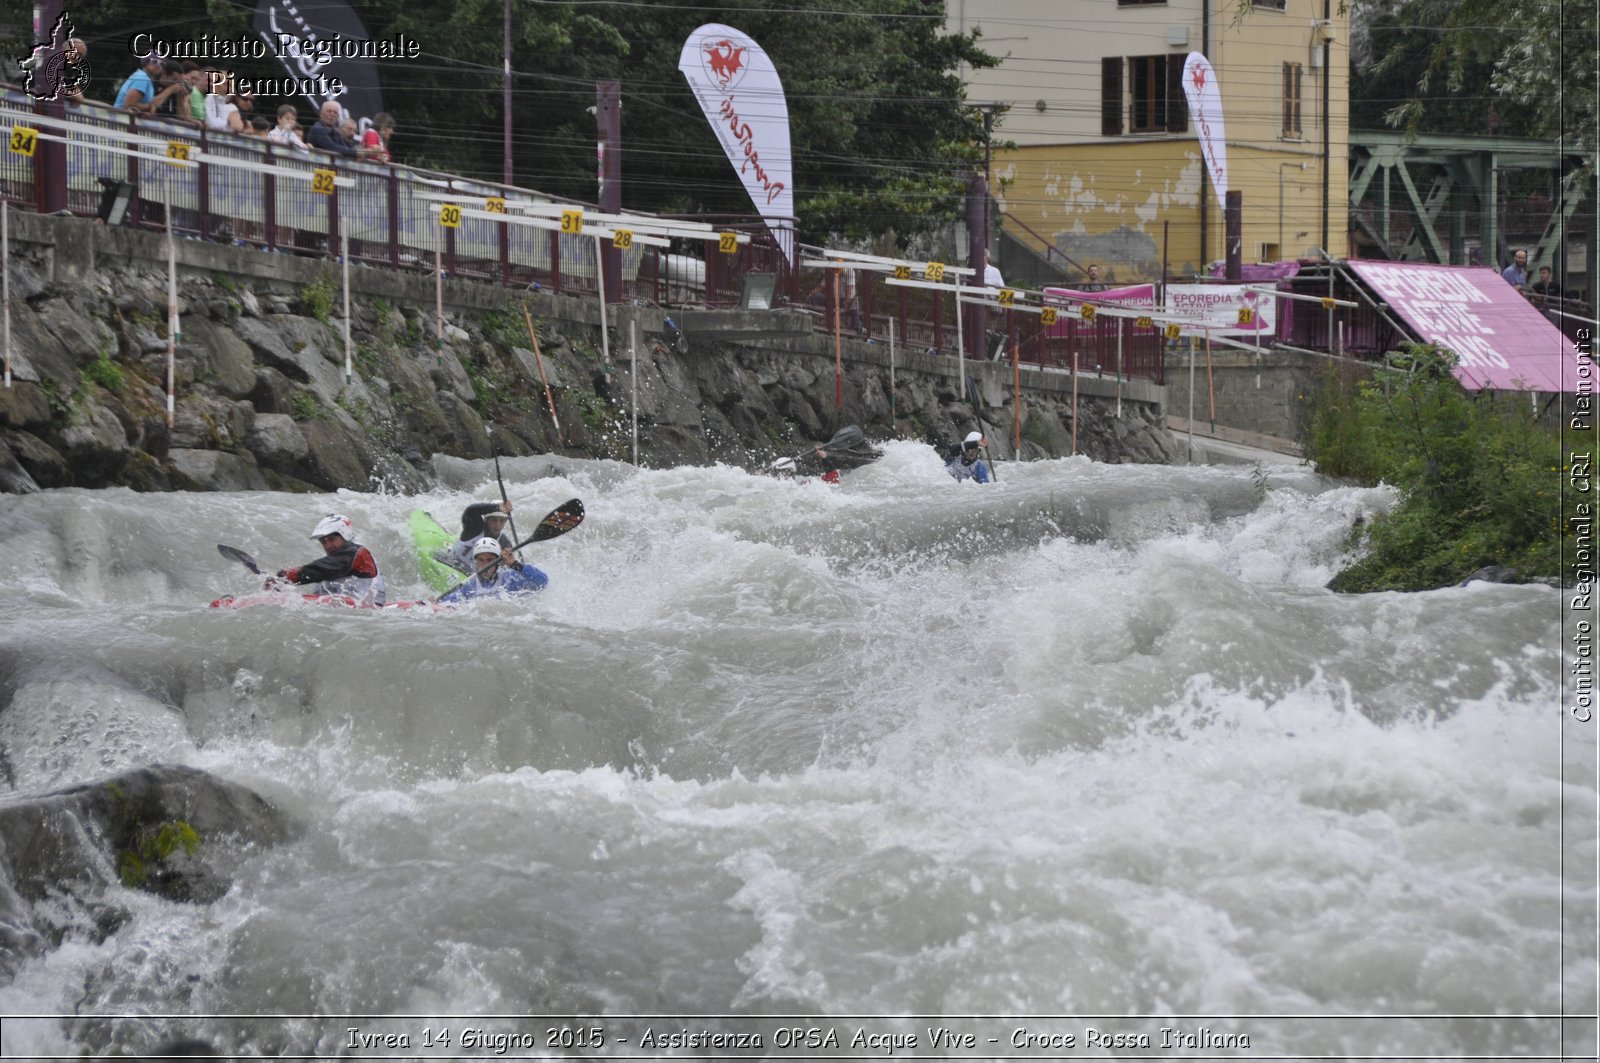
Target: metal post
[
  {"x": 893, "y": 415},
  {"x": 344, "y": 240},
  {"x": 172, "y": 313},
  {"x": 50, "y": 157},
  {"x": 633, "y": 372},
  {"x": 600, "y": 283},
  {"x": 5, "y": 280}
]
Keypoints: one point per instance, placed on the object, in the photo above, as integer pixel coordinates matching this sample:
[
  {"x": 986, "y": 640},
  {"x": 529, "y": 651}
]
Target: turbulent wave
[{"x": 1093, "y": 740}]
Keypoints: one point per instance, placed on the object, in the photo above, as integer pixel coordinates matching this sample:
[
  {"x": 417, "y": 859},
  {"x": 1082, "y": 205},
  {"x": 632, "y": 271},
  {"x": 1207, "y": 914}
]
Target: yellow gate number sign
[
  {"x": 902, "y": 273},
  {"x": 1329, "y": 302},
  {"x": 494, "y": 205},
  {"x": 1086, "y": 311},
  {"x": 1007, "y": 297},
  {"x": 1172, "y": 332},
  {"x": 1247, "y": 316},
  {"x": 622, "y": 239},
  {"x": 934, "y": 271},
  {"x": 322, "y": 181},
  {"x": 572, "y": 222},
  {"x": 728, "y": 243},
  {"x": 450, "y": 215},
  {"x": 24, "y": 139},
  {"x": 1144, "y": 322},
  {"x": 177, "y": 149},
  {"x": 1047, "y": 316}
]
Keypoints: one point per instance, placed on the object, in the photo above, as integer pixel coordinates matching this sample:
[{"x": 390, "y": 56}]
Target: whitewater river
[{"x": 1087, "y": 754}]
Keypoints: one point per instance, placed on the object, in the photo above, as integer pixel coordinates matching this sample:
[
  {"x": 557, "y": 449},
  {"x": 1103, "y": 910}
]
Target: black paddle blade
[
  {"x": 559, "y": 521},
  {"x": 849, "y": 436},
  {"x": 233, "y": 553}
]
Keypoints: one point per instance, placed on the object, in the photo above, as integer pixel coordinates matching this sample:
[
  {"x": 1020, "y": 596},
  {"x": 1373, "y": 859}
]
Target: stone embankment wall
[{"x": 263, "y": 403}]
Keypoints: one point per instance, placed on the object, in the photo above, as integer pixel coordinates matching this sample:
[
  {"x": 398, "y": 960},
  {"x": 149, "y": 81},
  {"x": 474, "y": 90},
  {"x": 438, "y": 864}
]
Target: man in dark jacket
[
  {"x": 324, "y": 134},
  {"x": 346, "y": 568}
]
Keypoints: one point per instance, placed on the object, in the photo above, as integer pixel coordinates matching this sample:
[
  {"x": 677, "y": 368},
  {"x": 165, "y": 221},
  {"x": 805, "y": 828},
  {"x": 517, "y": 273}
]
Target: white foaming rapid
[{"x": 1092, "y": 741}]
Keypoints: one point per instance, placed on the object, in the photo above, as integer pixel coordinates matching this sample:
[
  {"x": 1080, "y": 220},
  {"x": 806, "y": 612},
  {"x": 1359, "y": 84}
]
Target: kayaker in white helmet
[
  {"x": 496, "y": 574},
  {"x": 346, "y": 567}
]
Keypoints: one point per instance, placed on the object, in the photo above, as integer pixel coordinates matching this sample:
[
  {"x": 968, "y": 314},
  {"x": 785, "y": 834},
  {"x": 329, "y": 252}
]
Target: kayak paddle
[
  {"x": 501, "y": 480},
  {"x": 557, "y": 522},
  {"x": 233, "y": 553}
]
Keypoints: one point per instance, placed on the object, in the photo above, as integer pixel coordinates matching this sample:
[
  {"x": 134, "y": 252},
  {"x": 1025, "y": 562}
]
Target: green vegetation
[
  {"x": 1479, "y": 476},
  {"x": 145, "y": 847},
  {"x": 106, "y": 373},
  {"x": 316, "y": 298},
  {"x": 304, "y": 406}
]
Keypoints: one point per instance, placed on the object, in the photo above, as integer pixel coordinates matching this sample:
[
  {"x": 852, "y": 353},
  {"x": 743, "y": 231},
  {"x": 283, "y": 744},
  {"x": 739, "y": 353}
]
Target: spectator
[
  {"x": 246, "y": 103},
  {"x": 991, "y": 274},
  {"x": 172, "y": 93},
  {"x": 259, "y": 127},
  {"x": 1546, "y": 287},
  {"x": 222, "y": 112},
  {"x": 1516, "y": 274},
  {"x": 287, "y": 131},
  {"x": 347, "y": 130},
  {"x": 324, "y": 133},
  {"x": 77, "y": 57},
  {"x": 196, "y": 77},
  {"x": 1093, "y": 283},
  {"x": 849, "y": 300},
  {"x": 375, "y": 141},
  {"x": 138, "y": 93}
]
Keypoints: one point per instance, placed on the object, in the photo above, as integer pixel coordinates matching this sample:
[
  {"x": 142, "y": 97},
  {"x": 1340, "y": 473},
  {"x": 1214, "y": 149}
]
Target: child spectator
[
  {"x": 375, "y": 141},
  {"x": 287, "y": 131}
]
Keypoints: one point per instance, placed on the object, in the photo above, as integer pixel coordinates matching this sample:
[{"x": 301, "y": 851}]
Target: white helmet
[
  {"x": 782, "y": 466},
  {"x": 332, "y": 524},
  {"x": 486, "y": 545},
  {"x": 974, "y": 437}
]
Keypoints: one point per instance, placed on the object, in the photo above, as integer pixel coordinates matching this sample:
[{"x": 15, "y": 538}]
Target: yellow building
[{"x": 1106, "y": 168}]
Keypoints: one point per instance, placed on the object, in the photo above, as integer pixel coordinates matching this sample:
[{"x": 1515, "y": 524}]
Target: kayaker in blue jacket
[
  {"x": 968, "y": 461},
  {"x": 496, "y": 575}
]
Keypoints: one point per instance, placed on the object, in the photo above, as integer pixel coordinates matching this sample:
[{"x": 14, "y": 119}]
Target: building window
[
  {"x": 1133, "y": 3},
  {"x": 1151, "y": 96},
  {"x": 1291, "y": 99},
  {"x": 1275, "y": 5}
]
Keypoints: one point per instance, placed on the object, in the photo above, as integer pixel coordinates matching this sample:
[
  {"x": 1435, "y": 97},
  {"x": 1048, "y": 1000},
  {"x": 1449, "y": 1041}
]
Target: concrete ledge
[{"x": 1180, "y": 426}]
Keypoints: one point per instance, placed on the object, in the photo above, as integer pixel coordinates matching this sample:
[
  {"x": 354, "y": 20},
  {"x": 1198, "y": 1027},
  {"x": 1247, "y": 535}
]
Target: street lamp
[{"x": 1303, "y": 166}]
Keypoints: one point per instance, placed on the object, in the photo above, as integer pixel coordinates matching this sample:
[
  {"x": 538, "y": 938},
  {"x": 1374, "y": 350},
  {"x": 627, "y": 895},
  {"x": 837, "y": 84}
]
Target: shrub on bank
[{"x": 1480, "y": 475}]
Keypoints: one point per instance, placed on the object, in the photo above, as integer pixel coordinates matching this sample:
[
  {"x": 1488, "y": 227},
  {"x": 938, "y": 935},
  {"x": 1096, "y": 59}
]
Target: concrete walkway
[{"x": 1232, "y": 446}]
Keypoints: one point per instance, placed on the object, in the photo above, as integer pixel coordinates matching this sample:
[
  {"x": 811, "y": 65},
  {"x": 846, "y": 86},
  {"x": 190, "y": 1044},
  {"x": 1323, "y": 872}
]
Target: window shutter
[
  {"x": 1111, "y": 96},
  {"x": 1177, "y": 102}
]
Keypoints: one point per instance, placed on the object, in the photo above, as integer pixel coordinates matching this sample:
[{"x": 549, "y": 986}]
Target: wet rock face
[
  {"x": 79, "y": 847},
  {"x": 261, "y": 380}
]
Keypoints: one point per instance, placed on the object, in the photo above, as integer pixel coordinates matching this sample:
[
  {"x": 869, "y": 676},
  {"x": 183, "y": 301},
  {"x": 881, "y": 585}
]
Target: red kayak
[{"x": 338, "y": 601}]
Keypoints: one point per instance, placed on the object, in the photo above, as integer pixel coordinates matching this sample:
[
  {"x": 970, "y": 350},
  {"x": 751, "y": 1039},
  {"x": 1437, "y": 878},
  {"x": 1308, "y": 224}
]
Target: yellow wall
[{"x": 1105, "y": 199}]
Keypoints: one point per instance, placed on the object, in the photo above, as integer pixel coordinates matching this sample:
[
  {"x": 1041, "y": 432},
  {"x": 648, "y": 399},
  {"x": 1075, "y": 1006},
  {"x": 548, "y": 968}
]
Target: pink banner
[
  {"x": 1133, "y": 296},
  {"x": 1502, "y": 341}
]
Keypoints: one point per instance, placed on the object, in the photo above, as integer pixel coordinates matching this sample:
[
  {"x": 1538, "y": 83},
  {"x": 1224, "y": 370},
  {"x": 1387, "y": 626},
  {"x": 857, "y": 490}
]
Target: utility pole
[
  {"x": 50, "y": 157},
  {"x": 608, "y": 117},
  {"x": 506, "y": 93}
]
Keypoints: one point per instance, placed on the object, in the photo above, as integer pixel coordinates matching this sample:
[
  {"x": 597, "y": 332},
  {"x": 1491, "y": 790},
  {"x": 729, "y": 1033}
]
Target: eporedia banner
[{"x": 742, "y": 97}]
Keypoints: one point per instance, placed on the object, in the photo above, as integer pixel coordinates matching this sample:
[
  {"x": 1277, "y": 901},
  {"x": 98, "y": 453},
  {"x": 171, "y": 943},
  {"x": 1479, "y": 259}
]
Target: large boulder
[
  {"x": 24, "y": 405},
  {"x": 39, "y": 459},
  {"x": 94, "y": 443},
  {"x": 218, "y": 470},
  {"x": 14, "y": 479},
  {"x": 222, "y": 360},
  {"x": 88, "y": 842},
  {"x": 277, "y": 441}
]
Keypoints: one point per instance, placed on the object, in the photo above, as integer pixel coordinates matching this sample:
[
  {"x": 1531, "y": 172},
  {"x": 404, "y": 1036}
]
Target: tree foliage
[
  {"x": 878, "y": 126},
  {"x": 1538, "y": 55},
  {"x": 1479, "y": 476}
]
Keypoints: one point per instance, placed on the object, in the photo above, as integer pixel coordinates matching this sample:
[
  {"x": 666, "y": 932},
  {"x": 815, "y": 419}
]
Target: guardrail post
[
  {"x": 394, "y": 216},
  {"x": 203, "y": 191},
  {"x": 269, "y": 206}
]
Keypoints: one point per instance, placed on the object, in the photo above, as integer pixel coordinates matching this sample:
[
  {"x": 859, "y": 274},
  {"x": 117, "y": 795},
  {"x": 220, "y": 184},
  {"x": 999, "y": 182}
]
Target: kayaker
[
  {"x": 503, "y": 578},
  {"x": 479, "y": 520},
  {"x": 968, "y": 463},
  {"x": 346, "y": 567},
  {"x": 829, "y": 460}
]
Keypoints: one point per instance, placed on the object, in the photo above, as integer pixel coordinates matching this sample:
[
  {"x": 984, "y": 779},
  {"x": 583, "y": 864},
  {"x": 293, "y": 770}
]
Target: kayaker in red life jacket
[{"x": 346, "y": 568}]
